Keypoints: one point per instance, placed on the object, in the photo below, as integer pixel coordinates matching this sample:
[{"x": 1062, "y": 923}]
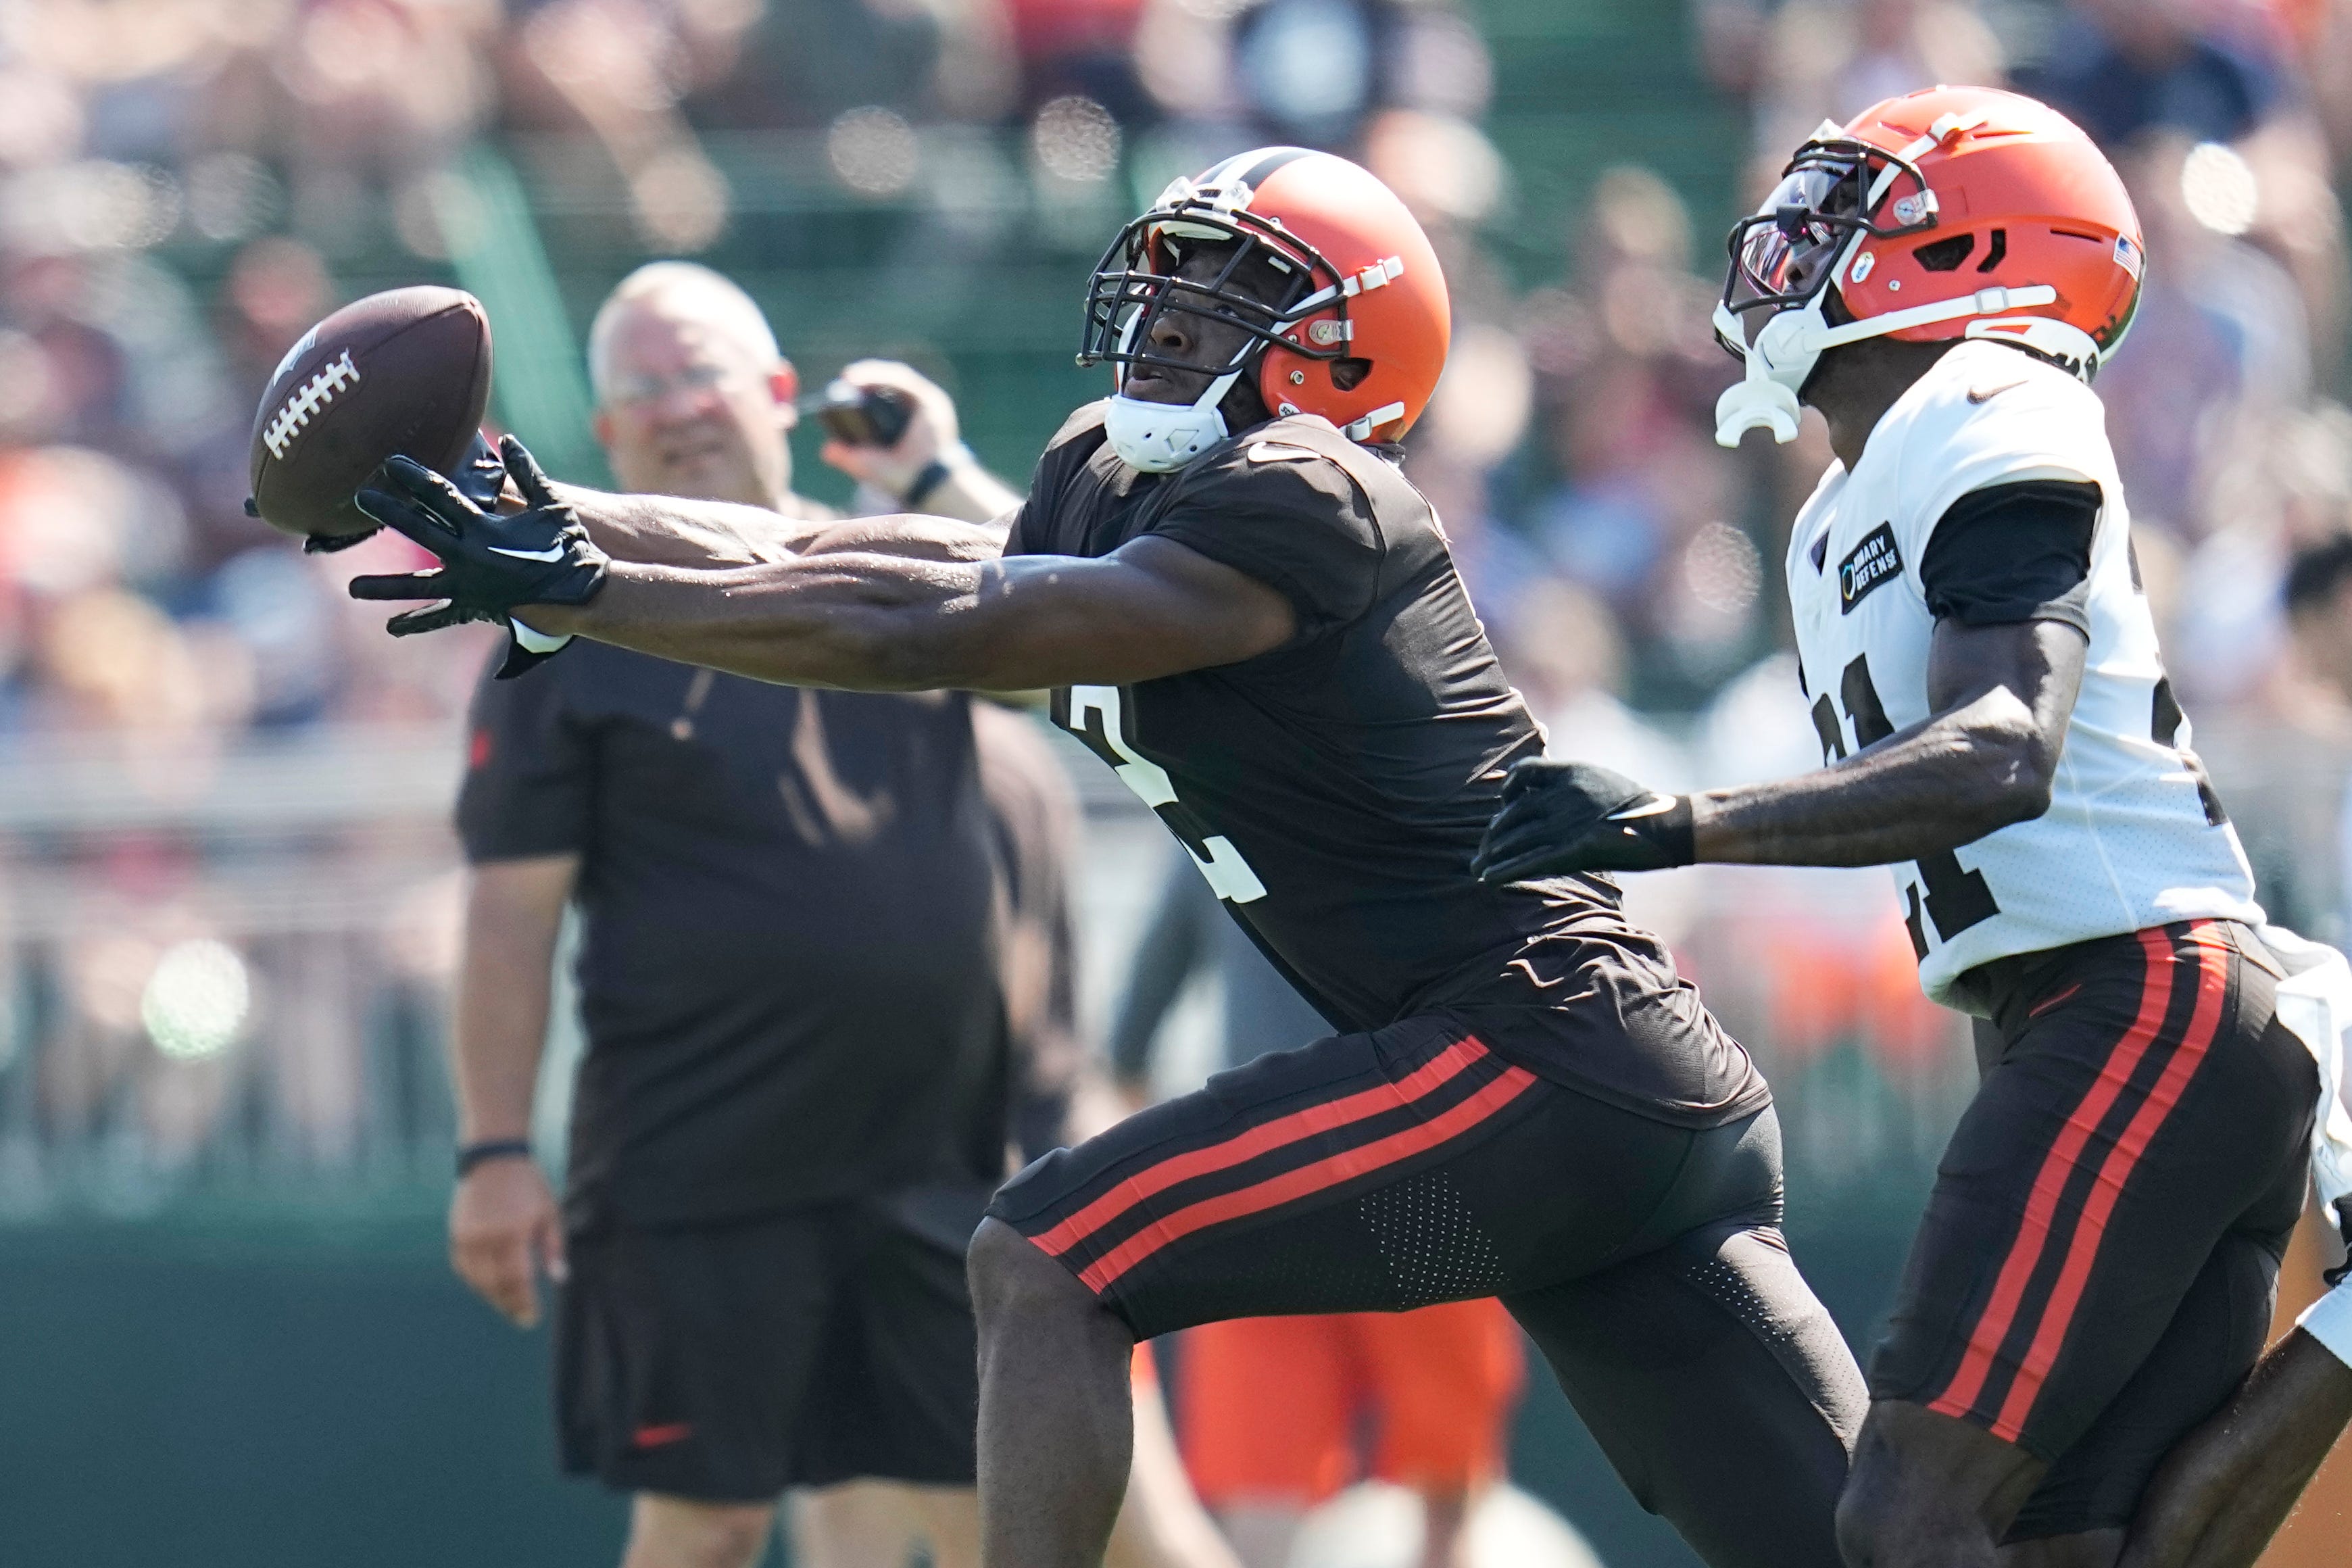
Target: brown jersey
[{"x": 1333, "y": 790}]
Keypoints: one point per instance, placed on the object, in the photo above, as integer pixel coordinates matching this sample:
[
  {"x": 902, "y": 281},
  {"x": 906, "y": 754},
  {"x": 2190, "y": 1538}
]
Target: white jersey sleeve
[{"x": 1999, "y": 424}]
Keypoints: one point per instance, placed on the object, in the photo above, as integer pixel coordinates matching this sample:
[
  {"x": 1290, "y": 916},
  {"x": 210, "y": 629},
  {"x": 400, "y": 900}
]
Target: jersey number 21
[{"x": 1957, "y": 897}]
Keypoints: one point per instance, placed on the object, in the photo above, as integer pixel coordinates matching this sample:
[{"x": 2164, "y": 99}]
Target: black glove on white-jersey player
[
  {"x": 491, "y": 562},
  {"x": 1574, "y": 816}
]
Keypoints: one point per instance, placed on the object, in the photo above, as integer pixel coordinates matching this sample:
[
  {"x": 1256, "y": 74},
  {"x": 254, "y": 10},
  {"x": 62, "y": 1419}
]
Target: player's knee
[
  {"x": 1923, "y": 1490},
  {"x": 677, "y": 1532},
  {"x": 1883, "y": 1521},
  {"x": 1014, "y": 1281},
  {"x": 1861, "y": 1526}
]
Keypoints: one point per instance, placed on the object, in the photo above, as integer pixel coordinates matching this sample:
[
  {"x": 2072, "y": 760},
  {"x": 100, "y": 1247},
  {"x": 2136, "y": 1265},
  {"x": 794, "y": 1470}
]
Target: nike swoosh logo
[
  {"x": 1275, "y": 452},
  {"x": 553, "y": 552},
  {"x": 1987, "y": 394},
  {"x": 1656, "y": 804}
]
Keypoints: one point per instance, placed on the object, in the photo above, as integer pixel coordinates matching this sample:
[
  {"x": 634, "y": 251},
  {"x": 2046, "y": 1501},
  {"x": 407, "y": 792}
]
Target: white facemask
[{"x": 1157, "y": 437}]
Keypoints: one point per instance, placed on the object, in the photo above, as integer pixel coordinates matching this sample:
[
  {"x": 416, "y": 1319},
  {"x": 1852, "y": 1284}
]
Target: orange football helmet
[
  {"x": 1955, "y": 212},
  {"x": 1358, "y": 338}
]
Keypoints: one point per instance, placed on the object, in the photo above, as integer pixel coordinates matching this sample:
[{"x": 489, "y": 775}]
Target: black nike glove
[
  {"x": 491, "y": 562},
  {"x": 479, "y": 477},
  {"x": 328, "y": 543},
  {"x": 1574, "y": 816},
  {"x": 321, "y": 544}
]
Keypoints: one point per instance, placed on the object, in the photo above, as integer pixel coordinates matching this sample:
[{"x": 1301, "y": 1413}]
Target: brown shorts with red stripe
[
  {"x": 1417, "y": 1164},
  {"x": 2095, "y": 1271}
]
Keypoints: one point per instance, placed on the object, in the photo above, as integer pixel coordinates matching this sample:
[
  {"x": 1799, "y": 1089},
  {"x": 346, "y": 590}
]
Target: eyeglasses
[{"x": 640, "y": 391}]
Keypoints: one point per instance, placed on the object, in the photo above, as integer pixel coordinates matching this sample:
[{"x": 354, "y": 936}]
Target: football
[{"x": 407, "y": 371}]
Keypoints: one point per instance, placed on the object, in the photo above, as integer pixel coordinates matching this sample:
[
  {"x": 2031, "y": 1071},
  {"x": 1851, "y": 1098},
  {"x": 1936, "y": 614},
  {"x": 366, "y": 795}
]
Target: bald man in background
[{"x": 802, "y": 922}]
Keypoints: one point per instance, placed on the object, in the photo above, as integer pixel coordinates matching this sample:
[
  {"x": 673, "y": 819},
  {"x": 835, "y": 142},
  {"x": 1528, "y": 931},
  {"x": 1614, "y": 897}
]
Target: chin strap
[{"x": 1791, "y": 341}]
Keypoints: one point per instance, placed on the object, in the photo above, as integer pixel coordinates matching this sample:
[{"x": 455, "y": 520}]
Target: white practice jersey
[{"x": 2133, "y": 836}]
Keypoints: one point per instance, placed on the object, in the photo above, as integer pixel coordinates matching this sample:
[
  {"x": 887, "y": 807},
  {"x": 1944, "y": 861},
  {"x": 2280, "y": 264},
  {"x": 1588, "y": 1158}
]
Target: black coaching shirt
[
  {"x": 788, "y": 968},
  {"x": 1334, "y": 790}
]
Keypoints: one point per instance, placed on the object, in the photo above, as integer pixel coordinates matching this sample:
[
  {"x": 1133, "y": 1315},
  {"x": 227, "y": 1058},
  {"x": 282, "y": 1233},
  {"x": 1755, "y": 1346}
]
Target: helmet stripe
[
  {"x": 1273, "y": 158},
  {"x": 1252, "y": 168},
  {"x": 1219, "y": 172}
]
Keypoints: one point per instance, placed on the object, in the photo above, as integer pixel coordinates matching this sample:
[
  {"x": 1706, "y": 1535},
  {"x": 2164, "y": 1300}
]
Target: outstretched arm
[
  {"x": 2002, "y": 696},
  {"x": 857, "y": 619},
  {"x": 913, "y": 537},
  {"x": 669, "y": 530},
  {"x": 2005, "y": 572},
  {"x": 887, "y": 622},
  {"x": 1985, "y": 758}
]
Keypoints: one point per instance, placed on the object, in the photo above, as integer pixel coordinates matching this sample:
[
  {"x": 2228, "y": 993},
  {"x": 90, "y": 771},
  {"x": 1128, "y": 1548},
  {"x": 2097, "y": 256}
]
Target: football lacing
[{"x": 316, "y": 394}]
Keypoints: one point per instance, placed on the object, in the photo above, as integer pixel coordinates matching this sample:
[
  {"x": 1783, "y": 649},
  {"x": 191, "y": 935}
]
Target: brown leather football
[{"x": 407, "y": 371}]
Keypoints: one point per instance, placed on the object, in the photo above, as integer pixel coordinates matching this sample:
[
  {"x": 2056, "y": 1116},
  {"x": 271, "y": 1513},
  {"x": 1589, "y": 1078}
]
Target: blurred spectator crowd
[{"x": 187, "y": 185}]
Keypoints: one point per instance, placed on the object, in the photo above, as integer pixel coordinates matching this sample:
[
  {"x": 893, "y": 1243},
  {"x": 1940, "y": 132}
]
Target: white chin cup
[
  {"x": 1159, "y": 437},
  {"x": 1783, "y": 355},
  {"x": 1751, "y": 402}
]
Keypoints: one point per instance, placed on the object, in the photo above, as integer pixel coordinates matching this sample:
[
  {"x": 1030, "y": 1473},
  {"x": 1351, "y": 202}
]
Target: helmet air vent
[{"x": 1945, "y": 255}]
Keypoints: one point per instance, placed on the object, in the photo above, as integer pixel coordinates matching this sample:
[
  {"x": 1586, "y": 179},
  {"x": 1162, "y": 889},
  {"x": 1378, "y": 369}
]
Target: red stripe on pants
[
  {"x": 1307, "y": 1180},
  {"x": 2050, "y": 1182},
  {"x": 1266, "y": 1136},
  {"x": 2212, "y": 986}
]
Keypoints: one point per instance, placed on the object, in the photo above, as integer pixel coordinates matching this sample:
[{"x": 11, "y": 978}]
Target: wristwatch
[
  {"x": 934, "y": 474},
  {"x": 472, "y": 1155}
]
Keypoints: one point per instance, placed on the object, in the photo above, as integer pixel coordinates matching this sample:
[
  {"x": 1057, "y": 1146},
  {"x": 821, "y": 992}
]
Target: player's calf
[
  {"x": 1929, "y": 1491},
  {"x": 1056, "y": 1422}
]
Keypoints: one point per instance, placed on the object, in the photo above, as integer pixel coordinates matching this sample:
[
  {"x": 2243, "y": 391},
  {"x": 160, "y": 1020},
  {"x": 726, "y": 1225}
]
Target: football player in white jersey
[{"x": 2094, "y": 1275}]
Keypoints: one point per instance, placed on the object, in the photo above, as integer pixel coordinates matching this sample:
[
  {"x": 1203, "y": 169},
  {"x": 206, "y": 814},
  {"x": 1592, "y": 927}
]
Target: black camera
[{"x": 858, "y": 416}]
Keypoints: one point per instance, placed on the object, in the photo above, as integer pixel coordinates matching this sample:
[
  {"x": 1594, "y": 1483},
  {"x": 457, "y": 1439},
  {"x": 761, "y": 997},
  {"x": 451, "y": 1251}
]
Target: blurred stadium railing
[
  {"x": 222, "y": 969},
  {"x": 223, "y": 979}
]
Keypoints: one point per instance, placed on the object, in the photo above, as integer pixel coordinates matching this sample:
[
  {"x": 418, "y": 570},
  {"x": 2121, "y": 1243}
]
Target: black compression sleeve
[{"x": 2013, "y": 552}]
